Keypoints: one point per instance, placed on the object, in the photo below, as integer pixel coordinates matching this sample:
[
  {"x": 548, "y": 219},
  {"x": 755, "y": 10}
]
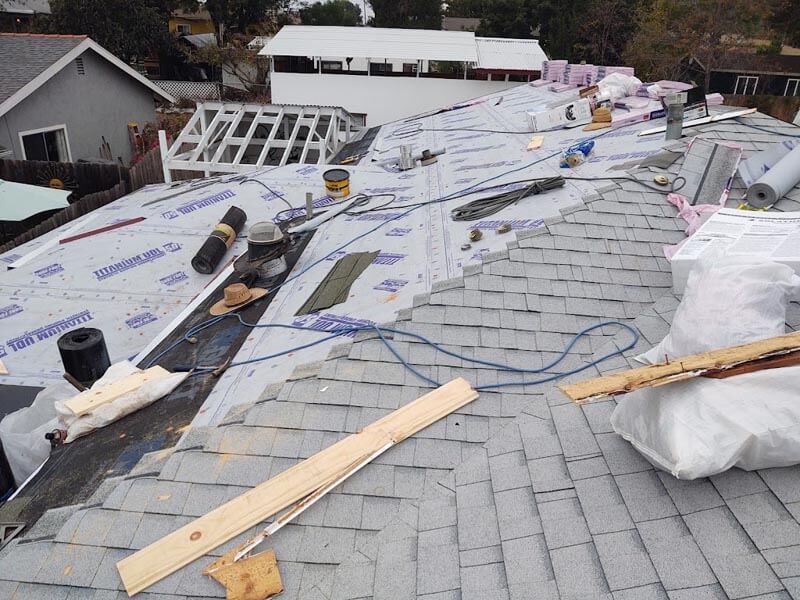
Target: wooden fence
[{"x": 93, "y": 185}]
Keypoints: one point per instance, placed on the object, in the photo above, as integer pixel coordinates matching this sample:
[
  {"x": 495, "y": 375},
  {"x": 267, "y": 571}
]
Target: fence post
[{"x": 162, "y": 144}]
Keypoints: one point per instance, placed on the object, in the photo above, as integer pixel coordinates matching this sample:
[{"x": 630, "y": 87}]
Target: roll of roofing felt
[
  {"x": 216, "y": 245},
  {"x": 775, "y": 183}
]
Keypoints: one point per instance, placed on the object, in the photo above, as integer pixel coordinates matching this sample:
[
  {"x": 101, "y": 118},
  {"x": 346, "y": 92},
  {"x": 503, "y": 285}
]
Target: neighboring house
[
  {"x": 749, "y": 74},
  {"x": 20, "y": 15},
  {"x": 191, "y": 23},
  {"x": 380, "y": 75},
  {"x": 61, "y": 95},
  {"x": 460, "y": 23}
]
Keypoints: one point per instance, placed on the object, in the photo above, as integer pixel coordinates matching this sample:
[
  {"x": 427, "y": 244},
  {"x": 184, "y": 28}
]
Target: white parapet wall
[{"x": 382, "y": 99}]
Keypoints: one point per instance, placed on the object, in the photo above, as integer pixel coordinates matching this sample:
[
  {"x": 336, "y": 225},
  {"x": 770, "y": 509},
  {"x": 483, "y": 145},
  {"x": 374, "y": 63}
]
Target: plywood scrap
[
  {"x": 170, "y": 553},
  {"x": 253, "y": 578},
  {"x": 536, "y": 142},
  {"x": 91, "y": 399},
  {"x": 687, "y": 367}
]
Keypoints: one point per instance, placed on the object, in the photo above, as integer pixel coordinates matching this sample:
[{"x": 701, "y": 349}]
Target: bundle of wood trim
[
  {"x": 170, "y": 553},
  {"x": 771, "y": 353}
]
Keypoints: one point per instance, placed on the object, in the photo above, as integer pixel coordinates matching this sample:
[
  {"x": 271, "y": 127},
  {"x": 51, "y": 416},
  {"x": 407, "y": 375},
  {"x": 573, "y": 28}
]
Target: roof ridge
[{"x": 47, "y": 35}]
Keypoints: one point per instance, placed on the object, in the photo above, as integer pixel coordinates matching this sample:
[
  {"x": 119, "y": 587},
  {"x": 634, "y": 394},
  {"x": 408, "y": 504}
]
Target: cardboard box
[
  {"x": 572, "y": 114},
  {"x": 770, "y": 235}
]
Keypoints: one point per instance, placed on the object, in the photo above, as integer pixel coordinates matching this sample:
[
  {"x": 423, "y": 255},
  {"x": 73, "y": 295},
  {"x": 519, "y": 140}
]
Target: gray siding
[{"x": 99, "y": 103}]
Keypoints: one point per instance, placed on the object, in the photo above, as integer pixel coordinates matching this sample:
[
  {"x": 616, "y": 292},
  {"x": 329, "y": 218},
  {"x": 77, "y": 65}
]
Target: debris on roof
[{"x": 520, "y": 493}]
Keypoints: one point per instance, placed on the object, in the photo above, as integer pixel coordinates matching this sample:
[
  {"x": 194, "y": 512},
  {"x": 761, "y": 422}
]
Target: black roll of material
[
  {"x": 84, "y": 354},
  {"x": 217, "y": 244}
]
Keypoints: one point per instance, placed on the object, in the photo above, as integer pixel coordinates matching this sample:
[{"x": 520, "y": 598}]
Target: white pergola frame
[{"x": 221, "y": 137}]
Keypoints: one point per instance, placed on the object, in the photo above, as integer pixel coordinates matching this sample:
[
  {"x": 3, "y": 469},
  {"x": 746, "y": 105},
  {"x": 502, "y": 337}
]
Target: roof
[
  {"x": 200, "y": 40},
  {"x": 460, "y": 23},
  {"x": 199, "y": 15},
  {"x": 780, "y": 64},
  {"x": 372, "y": 42},
  {"x": 520, "y": 494},
  {"x": 23, "y": 57},
  {"x": 509, "y": 54},
  {"x": 28, "y": 61},
  {"x": 25, "y": 7},
  {"x": 19, "y": 201}
]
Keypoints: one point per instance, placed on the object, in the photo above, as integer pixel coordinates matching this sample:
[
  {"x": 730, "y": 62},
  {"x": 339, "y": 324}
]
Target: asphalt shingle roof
[
  {"x": 519, "y": 495},
  {"x": 24, "y": 56}
]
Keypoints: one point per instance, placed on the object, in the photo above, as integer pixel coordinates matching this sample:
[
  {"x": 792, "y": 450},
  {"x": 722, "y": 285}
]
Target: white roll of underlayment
[{"x": 775, "y": 183}]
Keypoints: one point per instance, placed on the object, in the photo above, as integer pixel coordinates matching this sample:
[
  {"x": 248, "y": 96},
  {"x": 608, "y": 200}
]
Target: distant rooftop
[
  {"x": 371, "y": 42},
  {"x": 23, "y": 56},
  {"x": 25, "y": 7}
]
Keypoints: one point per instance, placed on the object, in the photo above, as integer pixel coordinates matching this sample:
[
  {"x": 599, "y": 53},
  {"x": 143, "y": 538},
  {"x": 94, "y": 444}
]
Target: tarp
[{"x": 19, "y": 201}]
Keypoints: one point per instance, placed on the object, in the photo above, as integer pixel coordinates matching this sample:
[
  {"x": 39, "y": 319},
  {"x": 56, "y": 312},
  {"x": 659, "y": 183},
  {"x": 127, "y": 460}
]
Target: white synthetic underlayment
[{"x": 131, "y": 282}]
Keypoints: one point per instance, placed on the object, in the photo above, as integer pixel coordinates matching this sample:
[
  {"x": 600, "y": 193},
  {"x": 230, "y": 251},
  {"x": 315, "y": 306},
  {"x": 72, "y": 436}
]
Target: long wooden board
[
  {"x": 683, "y": 368},
  {"x": 87, "y": 401},
  {"x": 170, "y": 553}
]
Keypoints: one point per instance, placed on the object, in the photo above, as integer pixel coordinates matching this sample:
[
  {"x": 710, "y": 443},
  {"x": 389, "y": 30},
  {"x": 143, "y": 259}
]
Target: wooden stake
[
  {"x": 687, "y": 367},
  {"x": 170, "y": 553}
]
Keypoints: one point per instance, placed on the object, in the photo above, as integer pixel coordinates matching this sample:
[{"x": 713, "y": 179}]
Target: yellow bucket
[{"x": 337, "y": 183}]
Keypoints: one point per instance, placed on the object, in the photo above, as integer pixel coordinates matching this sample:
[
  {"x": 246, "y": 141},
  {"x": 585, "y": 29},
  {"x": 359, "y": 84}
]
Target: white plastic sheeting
[{"x": 131, "y": 282}]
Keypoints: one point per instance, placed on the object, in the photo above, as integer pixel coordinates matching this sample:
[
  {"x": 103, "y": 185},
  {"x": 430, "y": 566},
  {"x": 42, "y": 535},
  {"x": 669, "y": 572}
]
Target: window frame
[
  {"x": 747, "y": 79},
  {"x": 187, "y": 26},
  {"x": 796, "y": 86},
  {"x": 61, "y": 127}
]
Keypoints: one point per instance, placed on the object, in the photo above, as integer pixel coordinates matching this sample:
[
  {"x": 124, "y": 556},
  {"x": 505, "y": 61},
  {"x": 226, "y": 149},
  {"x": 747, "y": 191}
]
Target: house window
[
  {"x": 745, "y": 85},
  {"x": 331, "y": 65},
  {"x": 409, "y": 67},
  {"x": 380, "y": 68},
  {"x": 49, "y": 144},
  {"x": 792, "y": 87},
  {"x": 184, "y": 29}
]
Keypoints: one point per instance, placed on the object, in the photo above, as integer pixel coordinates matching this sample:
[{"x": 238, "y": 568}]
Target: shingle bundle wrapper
[{"x": 700, "y": 427}]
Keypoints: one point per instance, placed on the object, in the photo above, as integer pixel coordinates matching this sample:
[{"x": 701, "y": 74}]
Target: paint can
[
  {"x": 84, "y": 354},
  {"x": 337, "y": 183}
]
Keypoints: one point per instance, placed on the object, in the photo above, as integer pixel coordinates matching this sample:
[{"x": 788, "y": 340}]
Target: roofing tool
[
  {"x": 337, "y": 183},
  {"x": 475, "y": 235},
  {"x": 216, "y": 245},
  {"x": 661, "y": 180},
  {"x": 84, "y": 354},
  {"x": 266, "y": 250},
  {"x": 576, "y": 154}
]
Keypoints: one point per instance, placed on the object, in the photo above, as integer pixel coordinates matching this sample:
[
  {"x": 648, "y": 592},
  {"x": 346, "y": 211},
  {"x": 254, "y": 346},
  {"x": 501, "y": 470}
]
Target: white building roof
[
  {"x": 371, "y": 42},
  {"x": 502, "y": 53}
]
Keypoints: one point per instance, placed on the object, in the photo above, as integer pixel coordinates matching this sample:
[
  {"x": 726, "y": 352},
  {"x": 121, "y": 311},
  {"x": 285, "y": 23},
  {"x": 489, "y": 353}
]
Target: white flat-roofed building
[{"x": 384, "y": 74}]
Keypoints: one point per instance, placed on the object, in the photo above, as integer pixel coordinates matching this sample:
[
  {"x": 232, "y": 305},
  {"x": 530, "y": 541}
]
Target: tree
[
  {"x": 604, "y": 31},
  {"x": 784, "y": 18},
  {"x": 127, "y": 28},
  {"x": 407, "y": 14},
  {"x": 466, "y": 8},
  {"x": 332, "y": 12},
  {"x": 506, "y": 18},
  {"x": 238, "y": 16},
  {"x": 671, "y": 32}
]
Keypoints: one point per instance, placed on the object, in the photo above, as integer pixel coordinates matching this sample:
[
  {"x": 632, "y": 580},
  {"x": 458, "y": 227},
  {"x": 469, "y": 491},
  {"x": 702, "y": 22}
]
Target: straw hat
[
  {"x": 235, "y": 296},
  {"x": 600, "y": 119}
]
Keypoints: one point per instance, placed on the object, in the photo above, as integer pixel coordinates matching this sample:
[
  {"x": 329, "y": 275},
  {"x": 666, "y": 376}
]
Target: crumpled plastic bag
[
  {"x": 728, "y": 301},
  {"x": 144, "y": 395},
  {"x": 22, "y": 432},
  {"x": 618, "y": 85},
  {"x": 702, "y": 426}
]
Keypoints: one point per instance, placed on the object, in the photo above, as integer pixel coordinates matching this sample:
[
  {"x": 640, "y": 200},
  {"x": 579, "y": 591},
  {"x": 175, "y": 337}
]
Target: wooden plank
[
  {"x": 253, "y": 578},
  {"x": 87, "y": 401},
  {"x": 3, "y": 370},
  {"x": 773, "y": 362},
  {"x": 680, "y": 369},
  {"x": 170, "y": 553}
]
